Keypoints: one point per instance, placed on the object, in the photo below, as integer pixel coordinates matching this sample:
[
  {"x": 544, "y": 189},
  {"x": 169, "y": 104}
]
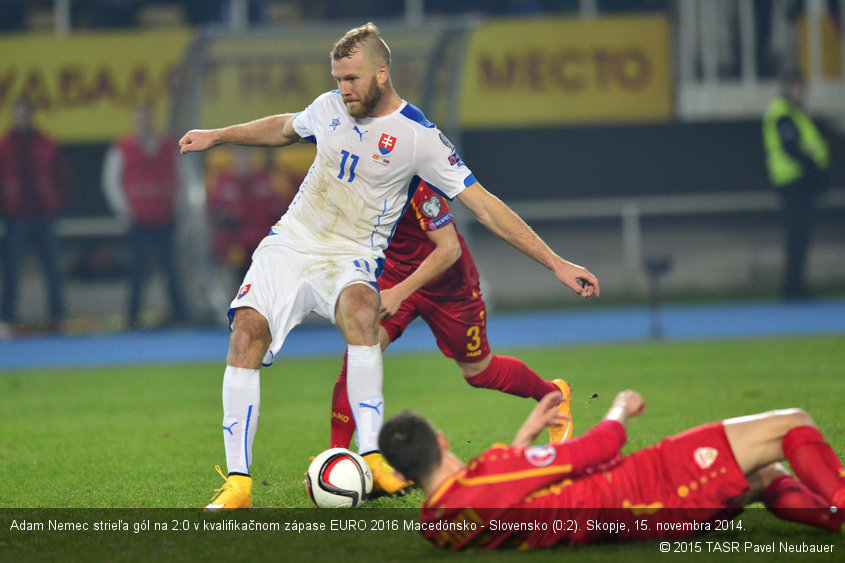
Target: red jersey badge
[
  {"x": 704, "y": 457},
  {"x": 540, "y": 456},
  {"x": 386, "y": 143},
  {"x": 243, "y": 290}
]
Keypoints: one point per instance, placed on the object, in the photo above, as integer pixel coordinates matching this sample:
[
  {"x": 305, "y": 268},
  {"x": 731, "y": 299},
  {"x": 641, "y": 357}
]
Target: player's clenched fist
[
  {"x": 197, "y": 140},
  {"x": 630, "y": 402}
]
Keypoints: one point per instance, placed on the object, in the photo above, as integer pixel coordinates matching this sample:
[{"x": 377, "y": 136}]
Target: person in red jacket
[
  {"x": 242, "y": 206},
  {"x": 429, "y": 273},
  {"x": 141, "y": 182},
  {"x": 583, "y": 491},
  {"x": 34, "y": 187}
]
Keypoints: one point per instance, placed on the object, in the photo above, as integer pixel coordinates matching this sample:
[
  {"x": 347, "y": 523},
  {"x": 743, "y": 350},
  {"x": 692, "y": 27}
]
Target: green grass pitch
[{"x": 148, "y": 437}]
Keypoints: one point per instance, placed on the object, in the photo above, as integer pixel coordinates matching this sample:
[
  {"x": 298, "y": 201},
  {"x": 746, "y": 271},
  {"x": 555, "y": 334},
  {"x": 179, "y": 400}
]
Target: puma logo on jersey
[{"x": 360, "y": 133}]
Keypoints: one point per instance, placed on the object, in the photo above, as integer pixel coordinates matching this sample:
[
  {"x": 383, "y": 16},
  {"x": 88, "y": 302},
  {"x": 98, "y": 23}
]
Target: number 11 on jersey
[{"x": 347, "y": 155}]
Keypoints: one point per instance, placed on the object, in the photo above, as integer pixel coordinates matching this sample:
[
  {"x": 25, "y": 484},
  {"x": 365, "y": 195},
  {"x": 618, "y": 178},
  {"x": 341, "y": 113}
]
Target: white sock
[
  {"x": 364, "y": 388},
  {"x": 241, "y": 397}
]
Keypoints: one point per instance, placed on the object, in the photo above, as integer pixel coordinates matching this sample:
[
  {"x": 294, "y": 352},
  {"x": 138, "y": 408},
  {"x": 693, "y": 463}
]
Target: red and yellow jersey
[
  {"x": 241, "y": 209},
  {"x": 487, "y": 504},
  {"x": 581, "y": 491},
  {"x": 409, "y": 246}
]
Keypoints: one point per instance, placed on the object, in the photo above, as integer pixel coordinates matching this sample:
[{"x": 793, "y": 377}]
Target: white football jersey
[{"x": 363, "y": 177}]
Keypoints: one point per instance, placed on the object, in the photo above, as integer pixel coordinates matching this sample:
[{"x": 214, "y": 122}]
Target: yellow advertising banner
[
  {"x": 85, "y": 85},
  {"x": 247, "y": 76},
  {"x": 554, "y": 71}
]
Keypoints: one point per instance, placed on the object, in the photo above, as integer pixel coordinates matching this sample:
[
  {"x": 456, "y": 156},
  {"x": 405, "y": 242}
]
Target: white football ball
[{"x": 339, "y": 478}]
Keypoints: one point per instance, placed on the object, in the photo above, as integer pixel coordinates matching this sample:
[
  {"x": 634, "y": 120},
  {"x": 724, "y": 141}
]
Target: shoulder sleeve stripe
[
  {"x": 515, "y": 475},
  {"x": 415, "y": 115},
  {"x": 432, "y": 500}
]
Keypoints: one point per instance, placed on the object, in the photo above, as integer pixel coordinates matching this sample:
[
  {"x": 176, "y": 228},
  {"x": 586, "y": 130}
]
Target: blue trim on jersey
[
  {"x": 309, "y": 138},
  {"x": 469, "y": 180},
  {"x": 270, "y": 363},
  {"x": 414, "y": 114},
  {"x": 378, "y": 224},
  {"x": 412, "y": 187},
  {"x": 335, "y": 91}
]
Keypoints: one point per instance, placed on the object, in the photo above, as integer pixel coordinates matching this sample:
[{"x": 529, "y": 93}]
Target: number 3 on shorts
[{"x": 474, "y": 334}]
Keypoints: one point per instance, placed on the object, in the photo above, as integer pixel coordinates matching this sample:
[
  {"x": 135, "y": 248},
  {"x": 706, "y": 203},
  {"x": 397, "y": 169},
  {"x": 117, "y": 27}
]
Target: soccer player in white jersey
[{"x": 325, "y": 253}]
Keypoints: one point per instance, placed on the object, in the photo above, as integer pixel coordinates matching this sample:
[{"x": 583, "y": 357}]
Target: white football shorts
[{"x": 284, "y": 285}]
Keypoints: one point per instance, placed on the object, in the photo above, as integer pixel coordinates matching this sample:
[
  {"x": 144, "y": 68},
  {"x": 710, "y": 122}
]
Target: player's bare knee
[
  {"x": 357, "y": 311},
  {"x": 798, "y": 417},
  {"x": 759, "y": 480},
  {"x": 249, "y": 340},
  {"x": 783, "y": 420}
]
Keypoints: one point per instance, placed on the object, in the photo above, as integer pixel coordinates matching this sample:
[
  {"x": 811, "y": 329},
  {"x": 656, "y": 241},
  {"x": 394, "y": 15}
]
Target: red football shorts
[
  {"x": 695, "y": 474},
  {"x": 673, "y": 489},
  {"x": 458, "y": 322}
]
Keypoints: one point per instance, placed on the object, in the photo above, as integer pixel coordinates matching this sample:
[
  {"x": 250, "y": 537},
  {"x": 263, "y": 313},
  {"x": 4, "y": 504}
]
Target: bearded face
[{"x": 363, "y": 106}]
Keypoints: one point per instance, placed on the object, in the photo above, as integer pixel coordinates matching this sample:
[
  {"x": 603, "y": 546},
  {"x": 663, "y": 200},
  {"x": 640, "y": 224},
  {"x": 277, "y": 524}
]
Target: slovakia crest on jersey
[
  {"x": 540, "y": 456},
  {"x": 386, "y": 143},
  {"x": 244, "y": 290}
]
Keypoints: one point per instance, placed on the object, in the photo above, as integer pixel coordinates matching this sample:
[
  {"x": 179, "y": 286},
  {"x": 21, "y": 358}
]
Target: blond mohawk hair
[{"x": 364, "y": 37}]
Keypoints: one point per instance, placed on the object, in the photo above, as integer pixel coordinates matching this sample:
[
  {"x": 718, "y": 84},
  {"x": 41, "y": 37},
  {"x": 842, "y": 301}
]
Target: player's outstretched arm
[
  {"x": 544, "y": 414},
  {"x": 503, "y": 222},
  {"x": 447, "y": 250},
  {"x": 271, "y": 131}
]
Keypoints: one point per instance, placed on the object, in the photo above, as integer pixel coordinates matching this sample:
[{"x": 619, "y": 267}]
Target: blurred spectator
[
  {"x": 142, "y": 184},
  {"x": 34, "y": 187},
  {"x": 243, "y": 204},
  {"x": 796, "y": 157}
]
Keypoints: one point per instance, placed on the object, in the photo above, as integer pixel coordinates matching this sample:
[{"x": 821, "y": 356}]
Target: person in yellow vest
[{"x": 797, "y": 157}]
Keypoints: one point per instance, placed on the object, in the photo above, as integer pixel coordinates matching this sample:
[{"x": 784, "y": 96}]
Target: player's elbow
[{"x": 454, "y": 254}]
